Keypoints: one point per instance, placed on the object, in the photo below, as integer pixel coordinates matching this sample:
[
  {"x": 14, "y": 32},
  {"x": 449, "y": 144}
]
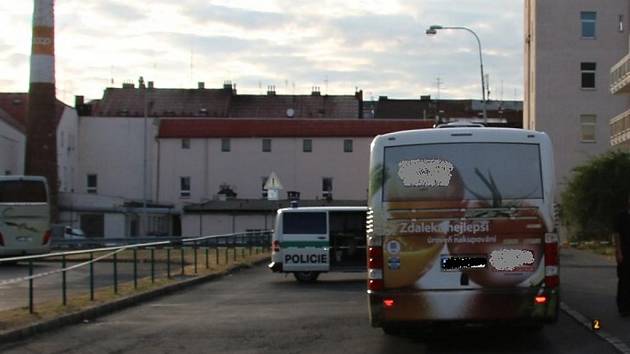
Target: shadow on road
[{"x": 470, "y": 340}]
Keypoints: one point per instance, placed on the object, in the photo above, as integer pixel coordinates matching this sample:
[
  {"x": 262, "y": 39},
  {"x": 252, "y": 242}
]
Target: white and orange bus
[
  {"x": 461, "y": 228},
  {"x": 24, "y": 215}
]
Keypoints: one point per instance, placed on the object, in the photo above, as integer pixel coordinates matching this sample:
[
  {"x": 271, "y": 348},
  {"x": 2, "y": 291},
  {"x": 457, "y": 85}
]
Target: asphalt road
[{"x": 255, "y": 311}]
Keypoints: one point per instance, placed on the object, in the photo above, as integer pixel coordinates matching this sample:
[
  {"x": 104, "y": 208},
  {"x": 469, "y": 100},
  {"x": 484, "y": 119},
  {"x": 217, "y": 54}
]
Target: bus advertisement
[{"x": 461, "y": 228}]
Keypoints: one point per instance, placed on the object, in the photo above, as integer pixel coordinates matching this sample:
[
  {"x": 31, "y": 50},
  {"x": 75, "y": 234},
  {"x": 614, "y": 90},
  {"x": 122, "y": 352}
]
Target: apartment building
[
  {"x": 570, "y": 46},
  {"x": 620, "y": 86}
]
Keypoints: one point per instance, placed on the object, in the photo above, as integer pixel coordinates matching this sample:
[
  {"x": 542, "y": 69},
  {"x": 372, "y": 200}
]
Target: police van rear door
[{"x": 305, "y": 242}]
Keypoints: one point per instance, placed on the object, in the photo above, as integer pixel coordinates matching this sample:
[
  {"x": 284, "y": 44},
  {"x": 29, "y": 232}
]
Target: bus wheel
[
  {"x": 392, "y": 330},
  {"x": 306, "y": 277}
]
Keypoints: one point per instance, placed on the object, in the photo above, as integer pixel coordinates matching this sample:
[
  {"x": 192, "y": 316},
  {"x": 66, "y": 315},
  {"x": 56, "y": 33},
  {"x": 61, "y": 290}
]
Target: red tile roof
[
  {"x": 248, "y": 128},
  {"x": 14, "y": 108}
]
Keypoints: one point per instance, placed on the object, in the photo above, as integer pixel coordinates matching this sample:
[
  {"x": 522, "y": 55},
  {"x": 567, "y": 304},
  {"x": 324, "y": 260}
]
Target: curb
[
  {"x": 609, "y": 338},
  {"x": 116, "y": 305}
]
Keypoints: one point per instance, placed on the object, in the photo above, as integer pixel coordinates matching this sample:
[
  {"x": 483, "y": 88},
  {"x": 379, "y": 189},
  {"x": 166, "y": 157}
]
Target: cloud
[
  {"x": 247, "y": 19},
  {"x": 122, "y": 11}
]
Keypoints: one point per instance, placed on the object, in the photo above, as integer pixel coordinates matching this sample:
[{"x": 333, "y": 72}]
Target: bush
[{"x": 595, "y": 193}]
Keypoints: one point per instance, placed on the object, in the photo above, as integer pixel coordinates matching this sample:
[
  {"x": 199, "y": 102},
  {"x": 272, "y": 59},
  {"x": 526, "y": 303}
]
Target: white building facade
[{"x": 570, "y": 45}]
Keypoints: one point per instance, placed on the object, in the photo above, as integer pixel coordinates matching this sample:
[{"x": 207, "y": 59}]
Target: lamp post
[{"x": 433, "y": 31}]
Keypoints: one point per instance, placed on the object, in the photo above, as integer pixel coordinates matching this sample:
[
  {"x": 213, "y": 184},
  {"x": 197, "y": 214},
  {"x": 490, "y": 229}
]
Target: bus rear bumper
[{"x": 468, "y": 306}]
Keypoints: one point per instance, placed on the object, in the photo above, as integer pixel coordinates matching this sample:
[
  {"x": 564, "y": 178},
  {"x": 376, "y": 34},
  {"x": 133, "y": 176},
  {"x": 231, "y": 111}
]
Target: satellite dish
[{"x": 290, "y": 113}]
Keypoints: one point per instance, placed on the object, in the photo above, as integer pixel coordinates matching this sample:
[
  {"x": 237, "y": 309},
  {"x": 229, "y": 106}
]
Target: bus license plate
[
  {"x": 24, "y": 239},
  {"x": 458, "y": 263}
]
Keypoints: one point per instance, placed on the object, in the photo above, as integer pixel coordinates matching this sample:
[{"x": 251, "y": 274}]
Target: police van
[{"x": 310, "y": 240}]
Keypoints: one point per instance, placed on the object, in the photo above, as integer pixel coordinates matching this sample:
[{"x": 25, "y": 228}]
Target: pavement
[
  {"x": 589, "y": 288},
  {"x": 256, "y": 311}
]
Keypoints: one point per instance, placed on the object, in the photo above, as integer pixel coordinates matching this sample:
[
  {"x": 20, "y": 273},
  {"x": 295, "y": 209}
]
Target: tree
[{"x": 596, "y": 192}]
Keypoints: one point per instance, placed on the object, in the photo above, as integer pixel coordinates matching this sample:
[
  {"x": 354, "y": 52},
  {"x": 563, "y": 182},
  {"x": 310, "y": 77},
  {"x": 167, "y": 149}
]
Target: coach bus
[
  {"x": 461, "y": 228},
  {"x": 311, "y": 240},
  {"x": 24, "y": 215}
]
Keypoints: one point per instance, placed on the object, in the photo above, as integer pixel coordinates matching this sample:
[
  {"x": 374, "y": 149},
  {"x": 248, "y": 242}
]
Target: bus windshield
[
  {"x": 462, "y": 171},
  {"x": 21, "y": 191}
]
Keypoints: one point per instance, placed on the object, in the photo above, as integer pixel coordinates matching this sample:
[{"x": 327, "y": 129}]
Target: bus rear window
[
  {"x": 304, "y": 223},
  {"x": 23, "y": 192},
  {"x": 462, "y": 171}
]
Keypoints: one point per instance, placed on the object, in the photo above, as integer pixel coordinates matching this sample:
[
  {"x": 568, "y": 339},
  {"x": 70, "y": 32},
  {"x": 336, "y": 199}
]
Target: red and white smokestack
[{"x": 41, "y": 121}]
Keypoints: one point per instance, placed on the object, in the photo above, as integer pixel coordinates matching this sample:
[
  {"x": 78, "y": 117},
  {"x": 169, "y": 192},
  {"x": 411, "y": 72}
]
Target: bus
[
  {"x": 461, "y": 228},
  {"x": 308, "y": 241},
  {"x": 24, "y": 216}
]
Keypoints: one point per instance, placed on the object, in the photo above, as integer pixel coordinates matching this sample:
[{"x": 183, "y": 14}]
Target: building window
[
  {"x": 266, "y": 145},
  {"x": 184, "y": 187},
  {"x": 263, "y": 181},
  {"x": 92, "y": 183},
  {"x": 225, "y": 145},
  {"x": 347, "y": 145},
  {"x": 327, "y": 187},
  {"x": 620, "y": 23},
  {"x": 587, "y": 127},
  {"x": 307, "y": 145},
  {"x": 186, "y": 143},
  {"x": 588, "y": 19},
  {"x": 588, "y": 75}
]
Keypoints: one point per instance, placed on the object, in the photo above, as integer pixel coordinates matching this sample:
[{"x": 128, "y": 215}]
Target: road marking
[{"x": 612, "y": 340}]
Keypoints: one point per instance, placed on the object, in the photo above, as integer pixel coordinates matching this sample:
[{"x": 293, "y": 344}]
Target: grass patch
[{"x": 19, "y": 317}]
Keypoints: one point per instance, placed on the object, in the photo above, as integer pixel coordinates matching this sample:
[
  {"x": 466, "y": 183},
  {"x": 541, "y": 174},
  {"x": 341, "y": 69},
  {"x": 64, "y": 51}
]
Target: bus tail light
[
  {"x": 375, "y": 268},
  {"x": 552, "y": 279},
  {"x": 389, "y": 303},
  {"x": 276, "y": 246},
  {"x": 540, "y": 299},
  {"x": 47, "y": 236}
]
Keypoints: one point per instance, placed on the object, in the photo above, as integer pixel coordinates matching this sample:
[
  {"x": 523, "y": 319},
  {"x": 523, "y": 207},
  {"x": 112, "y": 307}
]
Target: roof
[
  {"x": 129, "y": 101},
  {"x": 387, "y": 108},
  {"x": 249, "y": 128},
  {"x": 301, "y": 106},
  {"x": 14, "y": 109},
  {"x": 163, "y": 102},
  {"x": 249, "y": 205}
]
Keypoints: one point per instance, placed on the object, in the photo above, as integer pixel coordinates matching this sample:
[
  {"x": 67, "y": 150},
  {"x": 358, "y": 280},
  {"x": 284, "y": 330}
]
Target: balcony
[
  {"x": 620, "y": 76},
  {"x": 620, "y": 129}
]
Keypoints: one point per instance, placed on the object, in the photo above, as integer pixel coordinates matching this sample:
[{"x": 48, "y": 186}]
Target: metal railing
[{"x": 223, "y": 246}]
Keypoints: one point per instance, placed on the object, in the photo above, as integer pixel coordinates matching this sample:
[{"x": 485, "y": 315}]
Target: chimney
[
  {"x": 141, "y": 83},
  {"x": 201, "y": 85},
  {"x": 227, "y": 85},
  {"x": 271, "y": 90},
  {"x": 425, "y": 98},
  {"x": 41, "y": 120},
  {"x": 78, "y": 101},
  {"x": 150, "y": 84},
  {"x": 128, "y": 85},
  {"x": 315, "y": 91}
]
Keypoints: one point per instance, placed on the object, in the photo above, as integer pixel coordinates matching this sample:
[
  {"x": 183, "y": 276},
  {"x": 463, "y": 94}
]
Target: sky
[{"x": 379, "y": 47}]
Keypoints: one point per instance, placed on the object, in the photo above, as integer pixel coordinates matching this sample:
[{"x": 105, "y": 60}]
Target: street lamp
[{"x": 433, "y": 31}]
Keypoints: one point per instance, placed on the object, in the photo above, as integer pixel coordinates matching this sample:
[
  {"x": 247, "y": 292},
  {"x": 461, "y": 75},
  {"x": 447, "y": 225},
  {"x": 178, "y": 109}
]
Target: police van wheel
[{"x": 306, "y": 277}]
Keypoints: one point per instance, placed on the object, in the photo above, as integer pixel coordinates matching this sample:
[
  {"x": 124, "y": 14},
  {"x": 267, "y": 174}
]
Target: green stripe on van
[{"x": 304, "y": 244}]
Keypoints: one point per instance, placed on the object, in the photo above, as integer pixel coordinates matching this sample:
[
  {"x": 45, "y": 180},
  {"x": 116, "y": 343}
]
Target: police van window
[{"x": 304, "y": 223}]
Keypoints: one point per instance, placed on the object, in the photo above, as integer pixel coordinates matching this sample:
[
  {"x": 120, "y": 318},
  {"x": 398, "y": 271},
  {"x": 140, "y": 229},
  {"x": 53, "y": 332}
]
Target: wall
[
  {"x": 245, "y": 164},
  {"x": 12, "y": 149},
  {"x": 555, "y": 100},
  {"x": 225, "y": 223}
]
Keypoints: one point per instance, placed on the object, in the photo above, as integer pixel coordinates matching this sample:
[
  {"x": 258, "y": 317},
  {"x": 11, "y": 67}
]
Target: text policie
[{"x": 306, "y": 258}]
